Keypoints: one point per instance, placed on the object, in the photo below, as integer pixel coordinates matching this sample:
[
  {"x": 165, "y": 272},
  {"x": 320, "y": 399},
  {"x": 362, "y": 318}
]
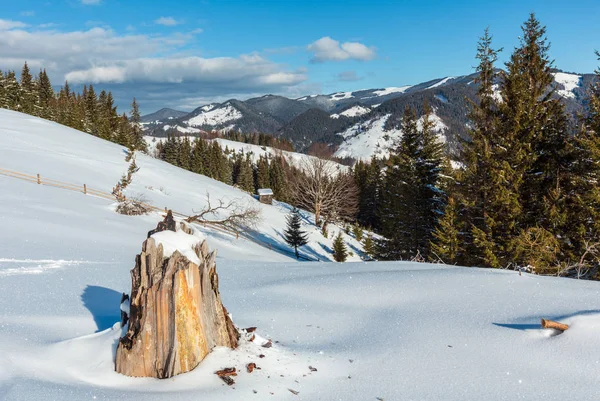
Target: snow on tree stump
[{"x": 176, "y": 316}]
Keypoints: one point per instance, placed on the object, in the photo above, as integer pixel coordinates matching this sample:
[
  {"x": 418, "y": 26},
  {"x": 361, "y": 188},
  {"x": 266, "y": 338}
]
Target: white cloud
[
  {"x": 158, "y": 69},
  {"x": 167, "y": 21},
  {"x": 327, "y": 49},
  {"x": 6, "y": 24},
  {"x": 91, "y": 2}
]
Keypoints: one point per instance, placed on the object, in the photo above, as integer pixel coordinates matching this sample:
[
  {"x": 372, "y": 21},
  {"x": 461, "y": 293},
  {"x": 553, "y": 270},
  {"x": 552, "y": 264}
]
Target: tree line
[
  {"x": 207, "y": 157},
  {"x": 87, "y": 111},
  {"x": 527, "y": 194}
]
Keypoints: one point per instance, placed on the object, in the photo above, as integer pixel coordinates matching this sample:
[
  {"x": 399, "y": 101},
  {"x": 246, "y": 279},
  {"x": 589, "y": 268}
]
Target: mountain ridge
[{"x": 327, "y": 118}]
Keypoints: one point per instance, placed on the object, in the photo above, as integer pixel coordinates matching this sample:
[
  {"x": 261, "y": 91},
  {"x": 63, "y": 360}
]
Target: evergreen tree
[
  {"x": 262, "y": 173},
  {"x": 136, "y": 128},
  {"x": 411, "y": 196},
  {"x": 293, "y": 234},
  {"x": 28, "y": 94},
  {"x": 12, "y": 99},
  {"x": 91, "y": 110},
  {"x": 45, "y": 95},
  {"x": 369, "y": 246},
  {"x": 278, "y": 180},
  {"x": 340, "y": 252},
  {"x": 368, "y": 180},
  {"x": 447, "y": 245},
  {"x": 481, "y": 194}
]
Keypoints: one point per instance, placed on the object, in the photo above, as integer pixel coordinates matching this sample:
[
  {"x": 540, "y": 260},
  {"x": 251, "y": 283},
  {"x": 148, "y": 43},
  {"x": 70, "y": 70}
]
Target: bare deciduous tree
[
  {"x": 587, "y": 266},
  {"x": 233, "y": 214},
  {"x": 326, "y": 191}
]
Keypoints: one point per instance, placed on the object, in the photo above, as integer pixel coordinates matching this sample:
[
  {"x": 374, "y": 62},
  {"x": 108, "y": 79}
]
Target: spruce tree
[
  {"x": 262, "y": 173},
  {"x": 411, "y": 196},
  {"x": 447, "y": 244},
  {"x": 13, "y": 92},
  {"x": 369, "y": 246},
  {"x": 340, "y": 252},
  {"x": 136, "y": 128},
  {"x": 45, "y": 95},
  {"x": 399, "y": 195},
  {"x": 277, "y": 179},
  {"x": 480, "y": 196},
  {"x": 293, "y": 234},
  {"x": 28, "y": 96}
]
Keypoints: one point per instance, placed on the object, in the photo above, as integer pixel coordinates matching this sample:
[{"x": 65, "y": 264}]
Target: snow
[
  {"x": 298, "y": 160},
  {"x": 183, "y": 130},
  {"x": 265, "y": 191},
  {"x": 390, "y": 90},
  {"x": 215, "y": 116},
  {"x": 441, "y": 97},
  {"x": 387, "y": 330},
  {"x": 440, "y": 83},
  {"x": 366, "y": 139},
  {"x": 353, "y": 111},
  {"x": 569, "y": 83},
  {"x": 178, "y": 241},
  {"x": 341, "y": 96}
]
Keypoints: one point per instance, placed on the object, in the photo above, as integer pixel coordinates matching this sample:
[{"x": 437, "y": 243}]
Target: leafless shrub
[{"x": 133, "y": 206}]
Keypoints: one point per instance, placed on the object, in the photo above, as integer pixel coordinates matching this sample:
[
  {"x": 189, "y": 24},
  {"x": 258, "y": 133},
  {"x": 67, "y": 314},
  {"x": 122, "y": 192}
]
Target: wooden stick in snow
[{"x": 550, "y": 324}]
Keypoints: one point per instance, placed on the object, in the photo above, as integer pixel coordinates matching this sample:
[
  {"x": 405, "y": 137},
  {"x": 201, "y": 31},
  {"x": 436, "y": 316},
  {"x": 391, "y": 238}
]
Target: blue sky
[{"x": 183, "y": 54}]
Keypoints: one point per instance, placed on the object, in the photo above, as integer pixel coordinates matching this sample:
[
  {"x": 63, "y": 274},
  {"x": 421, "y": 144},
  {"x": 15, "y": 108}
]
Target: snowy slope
[
  {"x": 295, "y": 159},
  {"x": 32, "y": 145},
  {"x": 567, "y": 83},
  {"x": 366, "y": 139},
  {"x": 217, "y": 116},
  {"x": 353, "y": 111},
  {"x": 391, "y": 331}
]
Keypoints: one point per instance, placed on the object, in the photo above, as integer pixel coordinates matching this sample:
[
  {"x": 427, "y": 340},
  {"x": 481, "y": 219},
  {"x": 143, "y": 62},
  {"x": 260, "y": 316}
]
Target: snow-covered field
[{"x": 373, "y": 330}]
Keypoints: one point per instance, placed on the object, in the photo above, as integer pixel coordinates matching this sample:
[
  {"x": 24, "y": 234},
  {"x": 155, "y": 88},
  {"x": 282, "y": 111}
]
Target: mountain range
[{"x": 356, "y": 124}]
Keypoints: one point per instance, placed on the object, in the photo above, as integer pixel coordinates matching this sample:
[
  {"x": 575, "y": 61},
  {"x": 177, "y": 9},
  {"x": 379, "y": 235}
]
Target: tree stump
[{"x": 176, "y": 315}]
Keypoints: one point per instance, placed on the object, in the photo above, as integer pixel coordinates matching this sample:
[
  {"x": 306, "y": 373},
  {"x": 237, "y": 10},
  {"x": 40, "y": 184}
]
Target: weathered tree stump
[{"x": 176, "y": 315}]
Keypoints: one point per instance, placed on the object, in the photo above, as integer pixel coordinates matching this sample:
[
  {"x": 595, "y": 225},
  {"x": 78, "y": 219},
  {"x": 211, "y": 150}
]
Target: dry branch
[
  {"x": 232, "y": 214},
  {"x": 551, "y": 324}
]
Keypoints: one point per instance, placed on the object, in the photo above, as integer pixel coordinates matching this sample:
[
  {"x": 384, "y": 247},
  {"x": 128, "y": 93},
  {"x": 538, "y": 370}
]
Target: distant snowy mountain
[
  {"x": 376, "y": 113},
  {"x": 162, "y": 115}
]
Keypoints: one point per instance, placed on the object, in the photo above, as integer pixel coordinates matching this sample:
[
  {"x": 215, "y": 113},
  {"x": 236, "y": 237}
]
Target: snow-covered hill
[
  {"x": 567, "y": 83},
  {"x": 370, "y": 138},
  {"x": 388, "y": 331},
  {"x": 298, "y": 160}
]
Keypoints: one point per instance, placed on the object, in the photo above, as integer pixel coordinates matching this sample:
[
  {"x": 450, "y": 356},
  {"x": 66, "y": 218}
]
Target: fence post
[
  {"x": 84, "y": 189},
  {"x": 39, "y": 179}
]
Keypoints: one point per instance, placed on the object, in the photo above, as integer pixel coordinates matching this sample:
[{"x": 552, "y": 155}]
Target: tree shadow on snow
[
  {"x": 104, "y": 305},
  {"x": 537, "y": 320}
]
